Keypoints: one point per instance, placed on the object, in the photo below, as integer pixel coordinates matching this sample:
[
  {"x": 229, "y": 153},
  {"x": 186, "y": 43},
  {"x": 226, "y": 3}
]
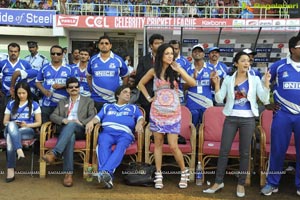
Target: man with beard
[
  {"x": 218, "y": 66},
  {"x": 103, "y": 73},
  {"x": 199, "y": 97}
]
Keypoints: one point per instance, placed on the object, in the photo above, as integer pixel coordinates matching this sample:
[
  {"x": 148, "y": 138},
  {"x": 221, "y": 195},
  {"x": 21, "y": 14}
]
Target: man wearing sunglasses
[
  {"x": 103, "y": 73},
  {"x": 51, "y": 81},
  {"x": 285, "y": 74},
  {"x": 71, "y": 115}
]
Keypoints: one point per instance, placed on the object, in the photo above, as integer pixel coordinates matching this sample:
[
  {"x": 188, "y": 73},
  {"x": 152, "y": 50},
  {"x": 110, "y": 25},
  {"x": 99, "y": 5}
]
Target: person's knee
[{"x": 12, "y": 127}]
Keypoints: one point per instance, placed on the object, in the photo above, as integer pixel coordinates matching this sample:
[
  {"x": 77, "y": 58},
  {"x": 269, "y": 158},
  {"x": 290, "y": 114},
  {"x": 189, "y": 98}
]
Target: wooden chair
[
  {"x": 188, "y": 131},
  {"x": 210, "y": 134},
  {"x": 134, "y": 151},
  {"x": 265, "y": 144},
  {"x": 48, "y": 141},
  {"x": 25, "y": 144}
]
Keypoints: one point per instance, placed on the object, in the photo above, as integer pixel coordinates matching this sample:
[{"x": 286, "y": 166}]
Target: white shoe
[
  {"x": 298, "y": 192},
  {"x": 212, "y": 191},
  {"x": 240, "y": 194}
]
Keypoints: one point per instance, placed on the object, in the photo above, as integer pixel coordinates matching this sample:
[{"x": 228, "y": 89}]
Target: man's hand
[
  {"x": 65, "y": 121},
  {"x": 12, "y": 92},
  {"x": 272, "y": 106},
  {"x": 89, "y": 127}
]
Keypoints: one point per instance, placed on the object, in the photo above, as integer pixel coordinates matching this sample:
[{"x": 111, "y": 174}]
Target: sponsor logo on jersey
[{"x": 291, "y": 85}]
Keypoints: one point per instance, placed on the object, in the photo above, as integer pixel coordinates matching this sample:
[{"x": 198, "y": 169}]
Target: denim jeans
[
  {"x": 65, "y": 144},
  {"x": 14, "y": 135},
  {"x": 246, "y": 127}
]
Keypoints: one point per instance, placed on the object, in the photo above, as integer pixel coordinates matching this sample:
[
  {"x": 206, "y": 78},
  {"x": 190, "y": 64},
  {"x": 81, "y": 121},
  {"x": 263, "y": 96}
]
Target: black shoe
[{"x": 8, "y": 180}]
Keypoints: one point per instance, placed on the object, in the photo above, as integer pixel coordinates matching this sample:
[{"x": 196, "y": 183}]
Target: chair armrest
[
  {"x": 95, "y": 135},
  {"x": 47, "y": 131},
  {"x": 262, "y": 140},
  {"x": 200, "y": 140}
]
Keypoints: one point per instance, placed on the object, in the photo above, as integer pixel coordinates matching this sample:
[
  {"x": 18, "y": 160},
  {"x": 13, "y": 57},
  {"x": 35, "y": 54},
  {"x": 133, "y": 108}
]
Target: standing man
[
  {"x": 75, "y": 57},
  {"x": 218, "y": 66},
  {"x": 71, "y": 114},
  {"x": 10, "y": 67},
  {"x": 285, "y": 74},
  {"x": 183, "y": 62},
  {"x": 199, "y": 97},
  {"x": 79, "y": 71},
  {"x": 51, "y": 81},
  {"x": 103, "y": 73},
  {"x": 146, "y": 63},
  {"x": 35, "y": 59}
]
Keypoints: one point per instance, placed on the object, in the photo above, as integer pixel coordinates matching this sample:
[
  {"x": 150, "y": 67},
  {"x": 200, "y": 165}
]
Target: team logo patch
[
  {"x": 112, "y": 66},
  {"x": 285, "y": 74},
  {"x": 64, "y": 74},
  {"x": 48, "y": 74},
  {"x": 205, "y": 75}
]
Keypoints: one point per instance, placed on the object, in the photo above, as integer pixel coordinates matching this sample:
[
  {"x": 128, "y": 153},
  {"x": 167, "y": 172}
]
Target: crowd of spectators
[{"x": 142, "y": 8}]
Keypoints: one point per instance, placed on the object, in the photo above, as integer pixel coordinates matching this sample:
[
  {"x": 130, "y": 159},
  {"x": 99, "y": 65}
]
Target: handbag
[{"x": 139, "y": 174}]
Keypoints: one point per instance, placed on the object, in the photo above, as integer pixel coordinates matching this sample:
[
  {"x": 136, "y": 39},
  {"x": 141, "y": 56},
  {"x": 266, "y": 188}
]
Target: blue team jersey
[
  {"x": 200, "y": 96},
  {"x": 81, "y": 77},
  {"x": 7, "y": 69},
  {"x": 49, "y": 76},
  {"x": 220, "y": 67},
  {"x": 117, "y": 119},
  {"x": 185, "y": 64},
  {"x": 23, "y": 112},
  {"x": 105, "y": 76},
  {"x": 286, "y": 75}
]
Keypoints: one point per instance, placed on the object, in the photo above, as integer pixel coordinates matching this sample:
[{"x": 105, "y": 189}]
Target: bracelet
[{"x": 148, "y": 97}]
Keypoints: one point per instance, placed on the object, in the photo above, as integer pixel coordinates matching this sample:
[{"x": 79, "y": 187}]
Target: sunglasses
[
  {"x": 72, "y": 87},
  {"x": 102, "y": 43},
  {"x": 56, "y": 54}
]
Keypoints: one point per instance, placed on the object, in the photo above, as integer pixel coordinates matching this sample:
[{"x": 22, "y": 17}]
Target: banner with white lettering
[{"x": 23, "y": 17}]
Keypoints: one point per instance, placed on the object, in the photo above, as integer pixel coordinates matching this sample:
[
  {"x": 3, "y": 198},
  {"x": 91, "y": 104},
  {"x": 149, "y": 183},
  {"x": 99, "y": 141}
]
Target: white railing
[{"x": 174, "y": 11}]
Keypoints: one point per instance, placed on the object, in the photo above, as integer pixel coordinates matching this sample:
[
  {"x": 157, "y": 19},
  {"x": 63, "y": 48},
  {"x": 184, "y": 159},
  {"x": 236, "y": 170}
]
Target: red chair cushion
[
  {"x": 25, "y": 143},
  {"x": 50, "y": 144}
]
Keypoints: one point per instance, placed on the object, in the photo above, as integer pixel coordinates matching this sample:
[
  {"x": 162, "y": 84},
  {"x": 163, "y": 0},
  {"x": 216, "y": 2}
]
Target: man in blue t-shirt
[
  {"x": 285, "y": 74},
  {"x": 103, "y": 73},
  {"x": 51, "y": 81}
]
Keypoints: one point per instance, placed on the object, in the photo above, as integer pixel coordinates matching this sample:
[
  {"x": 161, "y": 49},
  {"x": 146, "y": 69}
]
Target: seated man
[
  {"x": 71, "y": 114},
  {"x": 119, "y": 121}
]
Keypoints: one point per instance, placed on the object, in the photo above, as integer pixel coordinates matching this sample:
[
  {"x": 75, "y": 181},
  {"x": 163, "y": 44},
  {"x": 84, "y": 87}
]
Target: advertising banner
[{"x": 24, "y": 17}]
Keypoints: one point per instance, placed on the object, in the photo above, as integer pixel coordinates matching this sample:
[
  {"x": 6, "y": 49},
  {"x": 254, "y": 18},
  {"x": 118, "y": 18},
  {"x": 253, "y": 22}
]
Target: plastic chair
[
  {"x": 188, "y": 131},
  {"x": 48, "y": 141},
  {"x": 264, "y": 128}
]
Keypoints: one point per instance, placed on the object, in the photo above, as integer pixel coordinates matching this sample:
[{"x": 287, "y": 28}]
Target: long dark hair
[
  {"x": 24, "y": 85},
  {"x": 170, "y": 74}
]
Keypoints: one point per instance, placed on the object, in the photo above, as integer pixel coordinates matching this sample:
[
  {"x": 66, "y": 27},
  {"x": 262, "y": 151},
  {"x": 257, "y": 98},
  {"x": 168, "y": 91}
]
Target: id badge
[{"x": 199, "y": 89}]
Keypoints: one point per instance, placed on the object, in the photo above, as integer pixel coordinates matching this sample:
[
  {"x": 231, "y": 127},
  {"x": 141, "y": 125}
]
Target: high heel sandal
[
  {"x": 158, "y": 180},
  {"x": 184, "y": 179}
]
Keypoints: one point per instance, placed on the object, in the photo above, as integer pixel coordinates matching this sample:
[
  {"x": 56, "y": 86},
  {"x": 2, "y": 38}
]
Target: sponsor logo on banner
[{"x": 67, "y": 21}]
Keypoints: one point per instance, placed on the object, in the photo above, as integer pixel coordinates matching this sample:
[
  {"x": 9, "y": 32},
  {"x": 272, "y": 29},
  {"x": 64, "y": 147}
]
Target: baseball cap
[
  {"x": 249, "y": 51},
  {"x": 32, "y": 44},
  {"x": 198, "y": 46},
  {"x": 213, "y": 49}
]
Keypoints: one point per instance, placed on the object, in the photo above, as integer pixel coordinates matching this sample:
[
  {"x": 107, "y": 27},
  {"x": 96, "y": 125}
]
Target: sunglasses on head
[
  {"x": 57, "y": 54},
  {"x": 72, "y": 87}
]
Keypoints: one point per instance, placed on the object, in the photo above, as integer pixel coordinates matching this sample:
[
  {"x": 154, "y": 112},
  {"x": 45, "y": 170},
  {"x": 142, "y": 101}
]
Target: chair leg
[
  {"x": 43, "y": 165},
  {"x": 32, "y": 159}
]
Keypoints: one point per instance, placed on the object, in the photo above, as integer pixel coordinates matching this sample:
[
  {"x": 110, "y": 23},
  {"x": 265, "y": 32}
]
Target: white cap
[{"x": 198, "y": 46}]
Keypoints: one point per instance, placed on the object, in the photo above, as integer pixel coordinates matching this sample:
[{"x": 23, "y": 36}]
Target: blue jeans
[
  {"x": 65, "y": 144},
  {"x": 14, "y": 135}
]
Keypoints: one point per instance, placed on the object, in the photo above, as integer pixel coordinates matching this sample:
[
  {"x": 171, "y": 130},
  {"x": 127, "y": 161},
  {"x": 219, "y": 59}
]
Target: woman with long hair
[
  {"x": 241, "y": 90},
  {"x": 165, "y": 112},
  {"x": 21, "y": 116}
]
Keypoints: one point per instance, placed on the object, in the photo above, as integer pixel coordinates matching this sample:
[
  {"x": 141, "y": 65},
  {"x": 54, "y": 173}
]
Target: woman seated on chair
[
  {"x": 21, "y": 116},
  {"x": 119, "y": 121}
]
